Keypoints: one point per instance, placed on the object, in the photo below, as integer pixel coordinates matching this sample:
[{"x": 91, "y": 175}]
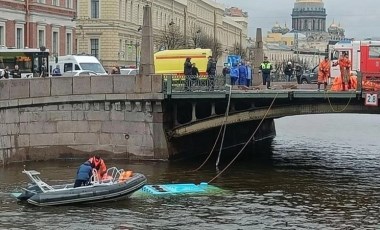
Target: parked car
[
  {"x": 310, "y": 76},
  {"x": 79, "y": 73},
  {"x": 129, "y": 71}
]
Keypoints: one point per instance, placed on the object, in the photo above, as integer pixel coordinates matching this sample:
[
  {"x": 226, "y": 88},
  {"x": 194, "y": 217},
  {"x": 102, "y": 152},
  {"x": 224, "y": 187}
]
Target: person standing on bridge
[
  {"x": 345, "y": 65},
  {"x": 187, "y": 71},
  {"x": 243, "y": 73},
  {"x": 265, "y": 69},
  {"x": 211, "y": 72},
  {"x": 234, "y": 74},
  {"x": 250, "y": 74},
  {"x": 288, "y": 71},
  {"x": 323, "y": 73}
]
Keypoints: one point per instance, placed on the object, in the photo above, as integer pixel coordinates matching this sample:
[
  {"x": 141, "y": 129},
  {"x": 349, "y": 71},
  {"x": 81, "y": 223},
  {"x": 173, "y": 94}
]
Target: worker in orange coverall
[
  {"x": 98, "y": 164},
  {"x": 345, "y": 65},
  {"x": 323, "y": 72}
]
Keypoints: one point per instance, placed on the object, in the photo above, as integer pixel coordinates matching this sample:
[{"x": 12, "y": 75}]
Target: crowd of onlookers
[
  {"x": 7, "y": 73},
  {"x": 239, "y": 73}
]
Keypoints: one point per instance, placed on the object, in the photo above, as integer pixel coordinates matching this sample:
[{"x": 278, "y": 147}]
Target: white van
[{"x": 72, "y": 63}]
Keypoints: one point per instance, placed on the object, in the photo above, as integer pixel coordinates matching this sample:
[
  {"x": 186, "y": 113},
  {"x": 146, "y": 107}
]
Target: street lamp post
[
  {"x": 197, "y": 38},
  {"x": 136, "y": 45}
]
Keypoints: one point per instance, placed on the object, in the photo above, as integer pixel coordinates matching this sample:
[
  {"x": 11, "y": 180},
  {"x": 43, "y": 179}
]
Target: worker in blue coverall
[
  {"x": 84, "y": 174},
  {"x": 234, "y": 74},
  {"x": 243, "y": 73}
]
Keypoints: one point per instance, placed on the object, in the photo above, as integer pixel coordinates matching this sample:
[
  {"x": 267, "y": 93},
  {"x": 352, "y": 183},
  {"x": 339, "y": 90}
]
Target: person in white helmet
[{"x": 288, "y": 71}]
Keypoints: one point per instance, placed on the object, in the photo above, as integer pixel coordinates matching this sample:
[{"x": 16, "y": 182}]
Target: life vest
[
  {"x": 125, "y": 176},
  {"x": 266, "y": 66},
  {"x": 99, "y": 165}
]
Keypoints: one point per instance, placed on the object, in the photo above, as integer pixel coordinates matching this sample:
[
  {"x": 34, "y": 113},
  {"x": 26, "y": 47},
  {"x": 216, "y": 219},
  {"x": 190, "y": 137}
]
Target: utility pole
[
  {"x": 137, "y": 44},
  {"x": 296, "y": 45},
  {"x": 185, "y": 26},
  {"x": 215, "y": 27}
]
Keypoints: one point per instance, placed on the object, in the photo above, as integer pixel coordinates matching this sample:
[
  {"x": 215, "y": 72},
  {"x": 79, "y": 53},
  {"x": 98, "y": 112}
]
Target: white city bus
[{"x": 31, "y": 62}]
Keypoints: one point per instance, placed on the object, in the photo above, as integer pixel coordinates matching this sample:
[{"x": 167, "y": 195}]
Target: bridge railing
[{"x": 175, "y": 83}]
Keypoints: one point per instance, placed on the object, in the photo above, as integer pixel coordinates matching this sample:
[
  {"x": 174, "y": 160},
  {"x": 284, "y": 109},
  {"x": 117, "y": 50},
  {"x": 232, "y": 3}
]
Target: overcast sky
[{"x": 358, "y": 17}]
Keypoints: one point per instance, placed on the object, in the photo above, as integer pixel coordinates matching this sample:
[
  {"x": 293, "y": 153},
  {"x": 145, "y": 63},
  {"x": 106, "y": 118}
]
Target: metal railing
[{"x": 174, "y": 83}]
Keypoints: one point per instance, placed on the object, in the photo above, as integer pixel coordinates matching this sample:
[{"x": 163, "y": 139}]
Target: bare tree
[
  {"x": 205, "y": 41},
  {"x": 171, "y": 38},
  {"x": 238, "y": 50}
]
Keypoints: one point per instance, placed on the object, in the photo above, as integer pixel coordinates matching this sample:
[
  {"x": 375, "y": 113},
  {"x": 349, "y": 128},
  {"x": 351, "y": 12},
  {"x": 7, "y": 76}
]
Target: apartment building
[
  {"x": 110, "y": 30},
  {"x": 36, "y": 23}
]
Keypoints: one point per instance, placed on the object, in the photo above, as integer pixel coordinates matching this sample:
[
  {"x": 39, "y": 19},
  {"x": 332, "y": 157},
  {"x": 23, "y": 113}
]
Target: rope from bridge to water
[
  {"x": 345, "y": 107},
  {"x": 246, "y": 143},
  {"x": 222, "y": 127}
]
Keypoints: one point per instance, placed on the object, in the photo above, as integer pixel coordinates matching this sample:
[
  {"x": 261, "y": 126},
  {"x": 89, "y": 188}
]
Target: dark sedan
[{"x": 310, "y": 76}]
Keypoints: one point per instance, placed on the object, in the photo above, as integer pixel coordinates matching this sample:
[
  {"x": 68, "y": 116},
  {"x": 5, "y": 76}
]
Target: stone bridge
[{"x": 134, "y": 117}]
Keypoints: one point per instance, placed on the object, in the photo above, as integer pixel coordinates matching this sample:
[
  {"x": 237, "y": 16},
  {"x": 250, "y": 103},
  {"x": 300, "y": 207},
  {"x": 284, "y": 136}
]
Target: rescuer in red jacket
[{"x": 99, "y": 165}]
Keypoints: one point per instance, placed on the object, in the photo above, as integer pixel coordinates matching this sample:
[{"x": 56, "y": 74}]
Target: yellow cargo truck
[{"x": 172, "y": 61}]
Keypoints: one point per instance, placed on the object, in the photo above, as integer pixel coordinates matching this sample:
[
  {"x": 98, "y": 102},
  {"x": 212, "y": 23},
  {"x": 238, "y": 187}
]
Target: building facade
[
  {"x": 307, "y": 39},
  {"x": 36, "y": 23},
  {"x": 110, "y": 30}
]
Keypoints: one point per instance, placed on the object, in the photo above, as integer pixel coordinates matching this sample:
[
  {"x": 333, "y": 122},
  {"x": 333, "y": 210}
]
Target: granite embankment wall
[{"x": 121, "y": 117}]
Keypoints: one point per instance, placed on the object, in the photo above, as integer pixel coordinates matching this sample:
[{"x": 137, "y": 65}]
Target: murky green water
[{"x": 324, "y": 173}]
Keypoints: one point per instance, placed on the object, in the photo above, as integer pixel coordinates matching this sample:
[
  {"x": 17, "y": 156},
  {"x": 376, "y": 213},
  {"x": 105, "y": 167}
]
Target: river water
[{"x": 323, "y": 173}]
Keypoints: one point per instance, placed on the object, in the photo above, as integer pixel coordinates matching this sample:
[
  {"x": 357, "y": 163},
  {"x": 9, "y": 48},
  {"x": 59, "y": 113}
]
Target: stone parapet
[{"x": 66, "y": 86}]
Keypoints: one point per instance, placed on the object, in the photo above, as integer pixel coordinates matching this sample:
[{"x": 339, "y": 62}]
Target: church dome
[
  {"x": 341, "y": 30},
  {"x": 309, "y": 5},
  {"x": 276, "y": 28},
  {"x": 333, "y": 28},
  {"x": 285, "y": 29}
]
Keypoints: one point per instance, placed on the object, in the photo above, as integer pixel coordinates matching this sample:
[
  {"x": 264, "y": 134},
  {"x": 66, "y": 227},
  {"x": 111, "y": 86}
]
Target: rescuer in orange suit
[
  {"x": 345, "y": 65},
  {"x": 99, "y": 165},
  {"x": 323, "y": 72}
]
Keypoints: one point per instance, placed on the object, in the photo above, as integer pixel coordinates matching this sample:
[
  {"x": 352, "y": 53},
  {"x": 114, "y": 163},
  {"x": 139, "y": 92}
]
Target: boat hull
[{"x": 89, "y": 194}]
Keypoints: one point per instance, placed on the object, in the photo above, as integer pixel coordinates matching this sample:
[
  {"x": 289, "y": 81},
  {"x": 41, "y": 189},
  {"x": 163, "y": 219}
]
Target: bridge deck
[{"x": 282, "y": 90}]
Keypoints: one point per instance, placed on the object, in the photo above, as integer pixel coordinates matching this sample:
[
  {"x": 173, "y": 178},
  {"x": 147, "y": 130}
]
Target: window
[
  {"x": 41, "y": 1},
  {"x": 94, "y": 8},
  {"x": 95, "y": 47},
  {"x": 55, "y": 42},
  {"x": 2, "y": 36},
  {"x": 41, "y": 38},
  {"x": 55, "y": 3},
  {"x": 69, "y": 46},
  {"x": 120, "y": 9},
  {"x": 126, "y": 6},
  {"x": 138, "y": 14},
  {"x": 19, "y": 38},
  {"x": 67, "y": 67},
  {"x": 131, "y": 11},
  {"x": 374, "y": 52},
  {"x": 69, "y": 4}
]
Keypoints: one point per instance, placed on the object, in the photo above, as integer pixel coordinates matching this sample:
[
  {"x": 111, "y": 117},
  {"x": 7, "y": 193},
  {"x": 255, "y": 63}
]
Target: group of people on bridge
[
  {"x": 344, "y": 66},
  {"x": 240, "y": 73}
]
